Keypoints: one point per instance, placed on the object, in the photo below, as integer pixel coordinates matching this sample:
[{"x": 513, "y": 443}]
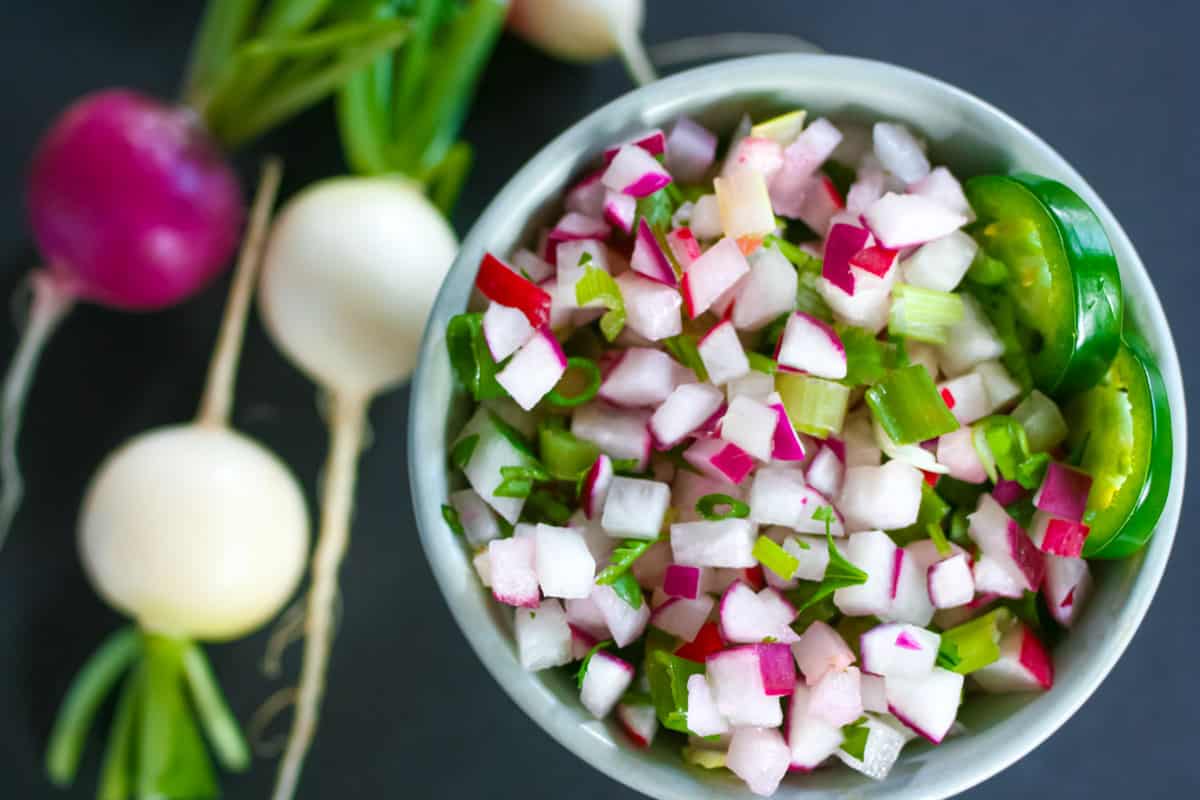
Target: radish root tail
[
  {"x": 632, "y": 51},
  {"x": 53, "y": 297},
  {"x": 349, "y": 417},
  {"x": 256, "y": 729},
  {"x": 290, "y": 628}
]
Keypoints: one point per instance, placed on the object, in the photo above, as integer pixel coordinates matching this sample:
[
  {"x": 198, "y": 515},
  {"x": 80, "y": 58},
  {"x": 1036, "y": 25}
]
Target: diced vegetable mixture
[{"x": 812, "y": 425}]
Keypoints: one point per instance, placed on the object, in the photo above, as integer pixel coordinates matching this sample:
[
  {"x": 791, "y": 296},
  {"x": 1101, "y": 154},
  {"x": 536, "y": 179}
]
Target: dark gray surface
[{"x": 410, "y": 710}]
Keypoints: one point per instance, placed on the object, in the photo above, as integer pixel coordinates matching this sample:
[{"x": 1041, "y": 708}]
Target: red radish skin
[
  {"x": 682, "y": 581},
  {"x": 501, "y": 284},
  {"x": 575, "y": 227},
  {"x": 843, "y": 243},
  {"x": 653, "y": 142},
  {"x": 707, "y": 642},
  {"x": 875, "y": 260}
]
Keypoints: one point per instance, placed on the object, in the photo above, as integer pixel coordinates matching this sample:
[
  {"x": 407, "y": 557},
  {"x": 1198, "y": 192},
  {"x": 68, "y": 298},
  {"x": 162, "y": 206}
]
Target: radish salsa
[{"x": 785, "y": 452}]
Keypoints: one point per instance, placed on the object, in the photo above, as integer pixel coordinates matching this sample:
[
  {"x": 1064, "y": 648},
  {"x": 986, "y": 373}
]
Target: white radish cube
[
  {"x": 722, "y": 354},
  {"x": 745, "y": 619},
  {"x": 483, "y": 567},
  {"x": 903, "y": 220},
  {"x": 633, "y": 171},
  {"x": 687, "y": 408},
  {"x": 711, "y": 275},
  {"x": 492, "y": 451},
  {"x": 760, "y": 757},
  {"x": 706, "y": 217},
  {"x": 993, "y": 577},
  {"x": 967, "y": 398},
  {"x": 899, "y": 152},
  {"x": 875, "y": 554},
  {"x": 884, "y": 743},
  {"x": 1003, "y": 541},
  {"x": 744, "y": 204},
  {"x": 751, "y": 426},
  {"x": 689, "y": 487},
  {"x": 635, "y": 508},
  {"x": 618, "y": 433},
  {"x": 924, "y": 354},
  {"x": 910, "y": 592},
  {"x": 534, "y": 370},
  {"x": 812, "y": 554},
  {"x": 651, "y": 308},
  {"x": 775, "y": 497},
  {"x": 943, "y": 188},
  {"x": 820, "y": 650},
  {"x": 777, "y": 607},
  {"x": 585, "y": 615},
  {"x": 874, "y": 694},
  {"x": 942, "y": 263},
  {"x": 899, "y": 650},
  {"x": 811, "y": 345},
  {"x": 970, "y": 341},
  {"x": 951, "y": 583},
  {"x": 564, "y": 566},
  {"x": 1023, "y": 666},
  {"x": 887, "y": 497},
  {"x": 867, "y": 308},
  {"x": 681, "y": 617},
  {"x": 606, "y": 679},
  {"x": 1067, "y": 587},
  {"x": 925, "y": 553},
  {"x": 639, "y": 722},
  {"x": 928, "y": 704},
  {"x": 514, "y": 577},
  {"x": 1000, "y": 386},
  {"x": 735, "y": 676},
  {"x": 767, "y": 292},
  {"x": 810, "y": 739},
  {"x": 532, "y": 266},
  {"x": 956, "y": 451},
  {"x": 505, "y": 329},
  {"x": 826, "y": 472},
  {"x": 543, "y": 636},
  {"x": 716, "y": 543},
  {"x": 478, "y": 521},
  {"x": 574, "y": 259},
  {"x": 754, "y": 384},
  {"x": 624, "y": 622},
  {"x": 642, "y": 376},
  {"x": 703, "y": 718},
  {"x": 837, "y": 697}
]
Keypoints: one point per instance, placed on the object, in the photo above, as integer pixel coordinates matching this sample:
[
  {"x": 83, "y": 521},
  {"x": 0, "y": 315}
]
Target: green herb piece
[
  {"x": 775, "y": 558},
  {"x": 908, "y": 406},
  {"x": 932, "y": 512},
  {"x": 939, "y": 540},
  {"x": 814, "y": 405},
  {"x": 854, "y": 738},
  {"x": 597, "y": 285},
  {"x": 839, "y": 573},
  {"x": 627, "y": 588},
  {"x": 565, "y": 456},
  {"x": 707, "y": 505},
  {"x": 668, "y": 675},
  {"x": 657, "y": 209},
  {"x": 587, "y": 660},
  {"x": 470, "y": 358},
  {"x": 519, "y": 481},
  {"x": 959, "y": 527},
  {"x": 866, "y": 356},
  {"x": 683, "y": 349},
  {"x": 622, "y": 559},
  {"x": 625, "y": 466},
  {"x": 975, "y": 644},
  {"x": 464, "y": 448},
  {"x": 923, "y": 315},
  {"x": 761, "y": 363},
  {"x": 545, "y": 506},
  {"x": 1003, "y": 448},
  {"x": 450, "y": 514},
  {"x": 589, "y": 368}
]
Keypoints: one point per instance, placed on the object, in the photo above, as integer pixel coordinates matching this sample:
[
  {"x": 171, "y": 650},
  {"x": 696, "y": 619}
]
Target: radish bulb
[
  {"x": 196, "y": 532},
  {"x": 351, "y": 270},
  {"x": 585, "y": 30}
]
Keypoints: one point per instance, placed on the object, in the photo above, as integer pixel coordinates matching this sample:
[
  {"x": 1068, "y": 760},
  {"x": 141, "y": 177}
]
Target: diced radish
[
  {"x": 619, "y": 433},
  {"x": 843, "y": 242},
  {"x": 587, "y": 196},
  {"x": 1007, "y": 492},
  {"x": 534, "y": 370},
  {"x": 825, "y": 472},
  {"x": 812, "y": 553},
  {"x": 575, "y": 227},
  {"x": 910, "y": 592},
  {"x": 716, "y": 543},
  {"x": 837, "y": 697},
  {"x": 1001, "y": 539},
  {"x": 744, "y": 203},
  {"x": 543, "y": 636},
  {"x": 585, "y": 615},
  {"x": 483, "y": 568},
  {"x": 996, "y": 578},
  {"x": 574, "y": 259},
  {"x": 640, "y": 723},
  {"x": 970, "y": 341},
  {"x": 951, "y": 583},
  {"x": 689, "y": 487},
  {"x": 820, "y": 650},
  {"x": 562, "y": 303},
  {"x": 533, "y": 267},
  {"x": 625, "y": 623},
  {"x": 683, "y": 618},
  {"x": 682, "y": 581},
  {"x": 810, "y": 739},
  {"x": 1056, "y": 536},
  {"x": 707, "y": 642},
  {"x": 884, "y": 743},
  {"x": 810, "y": 345},
  {"x": 813, "y": 146},
  {"x": 1064, "y": 492},
  {"x": 683, "y": 246},
  {"x": 721, "y": 460},
  {"x": 606, "y": 679},
  {"x": 523, "y": 529},
  {"x": 858, "y": 445},
  {"x": 943, "y": 188},
  {"x": 684, "y": 411},
  {"x": 751, "y": 426},
  {"x": 793, "y": 188},
  {"x": 650, "y": 568},
  {"x": 564, "y": 566},
  {"x": 754, "y": 384},
  {"x": 651, "y": 308},
  {"x": 876, "y": 260},
  {"x": 875, "y": 554},
  {"x": 1023, "y": 666},
  {"x": 757, "y": 153},
  {"x": 703, "y": 718},
  {"x": 505, "y": 330},
  {"x": 582, "y": 643},
  {"x": 942, "y": 263},
  {"x": 716, "y": 271},
  {"x": 736, "y": 678},
  {"x": 899, "y": 152},
  {"x": 896, "y": 650},
  {"x": 691, "y": 150},
  {"x": 620, "y": 210},
  {"x": 706, "y": 218},
  {"x": 595, "y": 486},
  {"x": 867, "y": 307},
  {"x": 1067, "y": 587},
  {"x": 722, "y": 354},
  {"x": 904, "y": 220},
  {"x": 777, "y": 606},
  {"x": 635, "y": 508},
  {"x": 768, "y": 291},
  {"x": 874, "y": 694},
  {"x": 649, "y": 258},
  {"x": 927, "y": 703},
  {"x": 775, "y": 497},
  {"x": 956, "y": 451},
  {"x": 925, "y": 553},
  {"x": 777, "y": 667},
  {"x": 760, "y": 757},
  {"x": 514, "y": 577},
  {"x": 745, "y": 618},
  {"x": 653, "y": 142},
  {"x": 786, "y": 444},
  {"x": 478, "y": 521},
  {"x": 635, "y": 172},
  {"x": 1001, "y": 388},
  {"x": 887, "y": 497},
  {"x": 642, "y": 376},
  {"x": 966, "y": 397},
  {"x": 866, "y": 189}
]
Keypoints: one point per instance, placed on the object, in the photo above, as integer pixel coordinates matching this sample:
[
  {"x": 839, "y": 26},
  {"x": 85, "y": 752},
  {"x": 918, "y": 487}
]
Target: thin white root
[
  {"x": 349, "y": 417},
  {"x": 632, "y": 51},
  {"x": 218, "y": 387},
  {"x": 290, "y": 628},
  {"x": 53, "y": 297},
  {"x": 256, "y": 730}
]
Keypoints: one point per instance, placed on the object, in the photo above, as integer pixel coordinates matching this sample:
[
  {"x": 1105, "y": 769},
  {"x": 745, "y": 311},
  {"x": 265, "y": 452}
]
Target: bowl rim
[{"x": 484, "y": 636}]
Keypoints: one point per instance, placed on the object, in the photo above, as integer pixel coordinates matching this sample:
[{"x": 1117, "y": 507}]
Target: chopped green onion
[
  {"x": 932, "y": 511},
  {"x": 908, "y": 406},
  {"x": 546, "y": 506},
  {"x": 657, "y": 209},
  {"x": 814, "y": 405},
  {"x": 564, "y": 454},
  {"x": 939, "y": 540},
  {"x": 959, "y": 527},
  {"x": 706, "y": 507},
  {"x": 464, "y": 448},
  {"x": 587, "y": 661},
  {"x": 866, "y": 356},
  {"x": 924, "y": 315},
  {"x": 775, "y": 558},
  {"x": 684, "y": 349},
  {"x": 470, "y": 358},
  {"x": 450, "y": 514},
  {"x": 975, "y": 644},
  {"x": 854, "y": 738},
  {"x": 625, "y": 466},
  {"x": 586, "y": 366},
  {"x": 519, "y": 481},
  {"x": 960, "y": 494},
  {"x": 627, "y": 588},
  {"x": 801, "y": 260},
  {"x": 761, "y": 363},
  {"x": 668, "y": 675},
  {"x": 1044, "y": 425},
  {"x": 1003, "y": 448},
  {"x": 622, "y": 559},
  {"x": 598, "y": 285}
]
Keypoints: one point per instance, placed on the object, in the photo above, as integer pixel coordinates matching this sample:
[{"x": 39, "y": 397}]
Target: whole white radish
[
  {"x": 585, "y": 30},
  {"x": 198, "y": 533},
  {"x": 351, "y": 270}
]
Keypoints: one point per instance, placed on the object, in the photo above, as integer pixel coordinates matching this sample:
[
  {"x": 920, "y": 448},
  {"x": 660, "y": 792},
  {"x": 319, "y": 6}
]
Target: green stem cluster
[{"x": 155, "y": 747}]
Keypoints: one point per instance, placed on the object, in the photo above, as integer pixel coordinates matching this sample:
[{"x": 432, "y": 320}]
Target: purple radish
[
  {"x": 1059, "y": 537},
  {"x": 843, "y": 243},
  {"x": 1064, "y": 492},
  {"x": 786, "y": 444},
  {"x": 682, "y": 581}
]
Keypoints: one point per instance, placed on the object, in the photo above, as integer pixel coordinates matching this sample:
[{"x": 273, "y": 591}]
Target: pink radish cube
[
  {"x": 910, "y": 592},
  {"x": 903, "y": 220},
  {"x": 584, "y": 615},
  {"x": 505, "y": 330},
  {"x": 635, "y": 172},
  {"x": 649, "y": 259},
  {"x": 582, "y": 643},
  {"x": 736, "y": 678},
  {"x": 722, "y": 354},
  {"x": 651, "y": 309},
  {"x": 532, "y": 266},
  {"x": 966, "y": 397},
  {"x": 595, "y": 486},
  {"x": 928, "y": 704},
  {"x": 1067, "y": 587},
  {"x": 682, "y": 581},
  {"x": 1002, "y": 540},
  {"x": 777, "y": 667},
  {"x": 787, "y": 444},
  {"x": 640, "y": 723},
  {"x": 564, "y": 566},
  {"x": 956, "y": 451},
  {"x": 514, "y": 577},
  {"x": 826, "y": 472},
  {"x": 1063, "y": 493},
  {"x": 942, "y": 263},
  {"x": 925, "y": 553},
  {"x": 717, "y": 543},
  {"x": 642, "y": 376},
  {"x": 1055, "y": 536},
  {"x": 543, "y": 636},
  {"x": 886, "y": 497},
  {"x": 820, "y": 650},
  {"x": 1023, "y": 666},
  {"x": 711, "y": 275},
  {"x": 810, "y": 739},
  {"x": 703, "y": 718},
  {"x": 618, "y": 433},
  {"x": 691, "y": 150},
  {"x": 620, "y": 210},
  {"x": 767, "y": 292},
  {"x": 760, "y": 757},
  {"x": 751, "y": 426},
  {"x": 625, "y": 623},
  {"x": 635, "y": 508},
  {"x": 951, "y": 583},
  {"x": 719, "y": 459},
  {"x": 897, "y": 650},
  {"x": 683, "y": 618},
  {"x": 874, "y": 693},
  {"x": 478, "y": 521},
  {"x": 811, "y": 345},
  {"x": 874, "y": 553},
  {"x": 837, "y": 697},
  {"x": 606, "y": 679}
]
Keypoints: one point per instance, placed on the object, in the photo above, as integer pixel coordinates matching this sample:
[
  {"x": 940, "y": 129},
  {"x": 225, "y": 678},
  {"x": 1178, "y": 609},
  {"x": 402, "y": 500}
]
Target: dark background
[{"x": 410, "y": 711}]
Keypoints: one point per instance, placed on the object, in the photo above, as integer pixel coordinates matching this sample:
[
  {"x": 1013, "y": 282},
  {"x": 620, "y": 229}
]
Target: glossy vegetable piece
[
  {"x": 1064, "y": 279},
  {"x": 1123, "y": 429}
]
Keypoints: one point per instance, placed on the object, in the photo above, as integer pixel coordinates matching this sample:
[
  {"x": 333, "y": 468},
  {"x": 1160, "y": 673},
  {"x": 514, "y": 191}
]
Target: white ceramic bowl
[{"x": 970, "y": 136}]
